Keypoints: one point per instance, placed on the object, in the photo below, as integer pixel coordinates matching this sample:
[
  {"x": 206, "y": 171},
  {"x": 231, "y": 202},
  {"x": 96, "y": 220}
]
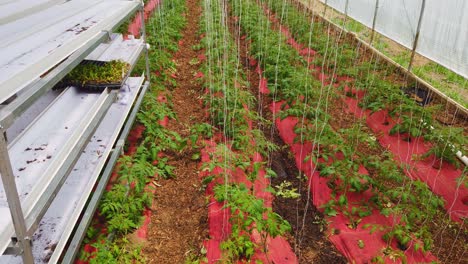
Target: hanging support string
[{"x": 374, "y": 21}]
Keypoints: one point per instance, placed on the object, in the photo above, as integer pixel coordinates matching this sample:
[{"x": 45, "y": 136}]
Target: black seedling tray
[
  {"x": 90, "y": 86},
  {"x": 421, "y": 96}
]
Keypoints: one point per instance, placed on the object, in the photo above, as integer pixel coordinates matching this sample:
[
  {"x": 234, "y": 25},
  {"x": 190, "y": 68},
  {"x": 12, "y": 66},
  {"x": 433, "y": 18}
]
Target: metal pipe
[
  {"x": 463, "y": 158},
  {"x": 143, "y": 36},
  {"x": 325, "y": 8},
  {"x": 374, "y": 21},
  {"x": 416, "y": 38},
  {"x": 346, "y": 14},
  {"x": 11, "y": 191}
]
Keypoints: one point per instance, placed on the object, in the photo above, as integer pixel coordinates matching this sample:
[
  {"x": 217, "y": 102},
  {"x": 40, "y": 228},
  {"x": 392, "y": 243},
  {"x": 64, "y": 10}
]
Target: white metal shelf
[
  {"x": 43, "y": 151},
  {"x": 115, "y": 49},
  {"x": 15, "y": 9},
  {"x": 57, "y": 224},
  {"x": 42, "y": 39},
  {"x": 50, "y": 166},
  {"x": 42, "y": 154}
]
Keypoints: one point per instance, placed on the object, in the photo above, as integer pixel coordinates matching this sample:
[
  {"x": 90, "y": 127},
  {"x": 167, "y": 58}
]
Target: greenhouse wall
[{"x": 444, "y": 28}]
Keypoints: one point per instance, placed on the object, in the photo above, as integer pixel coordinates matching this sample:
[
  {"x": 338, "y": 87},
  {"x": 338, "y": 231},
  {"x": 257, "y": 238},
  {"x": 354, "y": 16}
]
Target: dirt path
[{"x": 179, "y": 222}]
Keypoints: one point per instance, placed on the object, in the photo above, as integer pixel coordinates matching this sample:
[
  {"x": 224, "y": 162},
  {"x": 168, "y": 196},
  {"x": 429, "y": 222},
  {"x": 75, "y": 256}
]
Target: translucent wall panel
[
  {"x": 444, "y": 30},
  {"x": 444, "y": 34}
]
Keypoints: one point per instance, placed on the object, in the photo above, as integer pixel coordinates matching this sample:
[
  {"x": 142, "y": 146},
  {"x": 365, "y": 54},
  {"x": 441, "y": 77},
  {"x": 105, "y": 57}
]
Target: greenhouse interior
[{"x": 233, "y": 131}]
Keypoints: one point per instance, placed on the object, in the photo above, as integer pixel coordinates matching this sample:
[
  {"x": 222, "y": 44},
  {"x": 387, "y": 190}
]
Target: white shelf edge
[{"x": 68, "y": 230}]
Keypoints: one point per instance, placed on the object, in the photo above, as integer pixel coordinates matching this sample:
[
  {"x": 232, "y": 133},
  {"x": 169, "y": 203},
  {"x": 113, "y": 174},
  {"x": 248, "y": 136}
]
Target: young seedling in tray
[{"x": 98, "y": 74}]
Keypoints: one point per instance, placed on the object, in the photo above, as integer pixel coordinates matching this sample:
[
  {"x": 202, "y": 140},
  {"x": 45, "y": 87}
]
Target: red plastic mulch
[
  {"x": 441, "y": 177},
  {"x": 347, "y": 240},
  {"x": 358, "y": 245},
  {"x": 279, "y": 250}
]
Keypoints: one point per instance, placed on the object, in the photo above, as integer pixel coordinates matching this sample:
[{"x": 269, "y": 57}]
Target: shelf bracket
[{"x": 15, "y": 248}]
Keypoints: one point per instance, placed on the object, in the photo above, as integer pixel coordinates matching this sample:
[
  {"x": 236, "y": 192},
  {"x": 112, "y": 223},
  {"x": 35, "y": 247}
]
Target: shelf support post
[
  {"x": 374, "y": 20},
  {"x": 143, "y": 35},
  {"x": 325, "y": 5},
  {"x": 346, "y": 15},
  {"x": 11, "y": 191},
  {"x": 416, "y": 38}
]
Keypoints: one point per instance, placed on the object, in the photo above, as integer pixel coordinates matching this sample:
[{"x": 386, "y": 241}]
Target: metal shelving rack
[{"x": 49, "y": 169}]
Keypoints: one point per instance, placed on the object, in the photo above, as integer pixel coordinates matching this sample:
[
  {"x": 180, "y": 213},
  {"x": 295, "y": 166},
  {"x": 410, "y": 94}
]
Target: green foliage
[
  {"x": 202, "y": 130},
  {"x": 120, "y": 251},
  {"x": 111, "y": 72},
  {"x": 329, "y": 208},
  {"x": 248, "y": 213},
  {"x": 156, "y": 137},
  {"x": 122, "y": 206},
  {"x": 238, "y": 247},
  {"x": 412, "y": 203},
  {"x": 291, "y": 81},
  {"x": 285, "y": 190},
  {"x": 229, "y": 104},
  {"x": 446, "y": 143}
]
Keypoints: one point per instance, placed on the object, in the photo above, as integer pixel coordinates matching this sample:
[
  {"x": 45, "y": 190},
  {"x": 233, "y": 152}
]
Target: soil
[
  {"x": 307, "y": 238},
  {"x": 179, "y": 221}
]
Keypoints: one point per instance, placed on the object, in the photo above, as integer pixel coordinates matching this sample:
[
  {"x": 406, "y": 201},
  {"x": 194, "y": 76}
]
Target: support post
[
  {"x": 11, "y": 191},
  {"x": 325, "y": 8},
  {"x": 416, "y": 38},
  {"x": 374, "y": 21},
  {"x": 143, "y": 36},
  {"x": 346, "y": 14}
]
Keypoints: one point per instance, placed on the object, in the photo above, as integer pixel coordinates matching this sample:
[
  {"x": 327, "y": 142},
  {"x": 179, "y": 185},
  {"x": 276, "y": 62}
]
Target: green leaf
[
  {"x": 330, "y": 212},
  {"x": 342, "y": 200},
  {"x": 196, "y": 156},
  {"x": 360, "y": 243}
]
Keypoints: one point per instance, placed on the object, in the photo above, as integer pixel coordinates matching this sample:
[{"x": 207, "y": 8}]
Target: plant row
[
  {"x": 121, "y": 208},
  {"x": 335, "y": 150},
  {"x": 232, "y": 168},
  {"x": 339, "y": 57},
  {"x": 382, "y": 89}
]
